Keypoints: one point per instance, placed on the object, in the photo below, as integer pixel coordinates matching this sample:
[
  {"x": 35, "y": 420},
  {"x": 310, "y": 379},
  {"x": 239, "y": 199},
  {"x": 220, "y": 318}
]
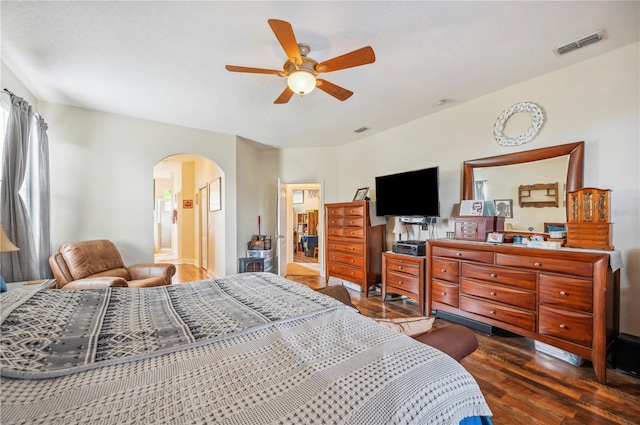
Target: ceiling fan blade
[
  {"x": 234, "y": 68},
  {"x": 358, "y": 57},
  {"x": 286, "y": 37},
  {"x": 284, "y": 96},
  {"x": 335, "y": 91}
]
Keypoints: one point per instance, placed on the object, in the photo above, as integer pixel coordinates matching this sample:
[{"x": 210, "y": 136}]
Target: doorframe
[{"x": 291, "y": 221}]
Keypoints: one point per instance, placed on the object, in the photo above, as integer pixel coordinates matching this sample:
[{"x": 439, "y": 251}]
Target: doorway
[
  {"x": 184, "y": 223},
  {"x": 306, "y": 237}
]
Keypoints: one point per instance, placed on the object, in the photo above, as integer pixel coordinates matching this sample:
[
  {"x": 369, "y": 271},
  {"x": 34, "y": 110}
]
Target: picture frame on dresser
[
  {"x": 495, "y": 237},
  {"x": 361, "y": 194}
]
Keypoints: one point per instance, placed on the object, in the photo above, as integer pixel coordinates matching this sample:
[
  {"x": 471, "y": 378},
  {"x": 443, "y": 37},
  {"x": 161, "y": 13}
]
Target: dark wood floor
[{"x": 522, "y": 386}]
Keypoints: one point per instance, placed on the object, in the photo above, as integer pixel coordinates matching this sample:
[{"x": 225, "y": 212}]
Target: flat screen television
[{"x": 411, "y": 193}]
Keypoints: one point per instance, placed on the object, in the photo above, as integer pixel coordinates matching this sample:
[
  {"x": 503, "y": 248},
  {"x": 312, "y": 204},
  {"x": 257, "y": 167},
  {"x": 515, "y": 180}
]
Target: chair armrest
[
  {"x": 97, "y": 283},
  {"x": 143, "y": 271}
]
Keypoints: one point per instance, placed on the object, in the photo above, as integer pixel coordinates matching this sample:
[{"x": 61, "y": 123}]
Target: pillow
[{"x": 408, "y": 325}]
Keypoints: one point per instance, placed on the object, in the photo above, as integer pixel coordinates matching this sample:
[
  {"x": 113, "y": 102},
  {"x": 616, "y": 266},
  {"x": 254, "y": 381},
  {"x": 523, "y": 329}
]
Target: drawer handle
[
  {"x": 399, "y": 267},
  {"x": 459, "y": 254},
  {"x": 444, "y": 294},
  {"x": 537, "y": 264},
  {"x": 443, "y": 270},
  {"x": 492, "y": 293},
  {"x": 563, "y": 293},
  {"x": 563, "y": 326},
  {"x": 492, "y": 312},
  {"x": 399, "y": 282},
  {"x": 493, "y": 275},
  {"x": 352, "y": 248}
]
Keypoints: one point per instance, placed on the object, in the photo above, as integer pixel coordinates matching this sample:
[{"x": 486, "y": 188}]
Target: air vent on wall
[
  {"x": 361, "y": 129},
  {"x": 590, "y": 39}
]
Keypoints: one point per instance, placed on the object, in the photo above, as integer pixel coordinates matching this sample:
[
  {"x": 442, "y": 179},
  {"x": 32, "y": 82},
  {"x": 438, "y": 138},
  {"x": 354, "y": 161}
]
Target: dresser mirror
[{"x": 499, "y": 178}]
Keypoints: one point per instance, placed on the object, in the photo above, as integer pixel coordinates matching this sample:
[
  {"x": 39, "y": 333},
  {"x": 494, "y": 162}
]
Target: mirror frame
[{"x": 575, "y": 167}]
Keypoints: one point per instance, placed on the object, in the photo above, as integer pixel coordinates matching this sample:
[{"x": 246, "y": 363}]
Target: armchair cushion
[{"x": 98, "y": 264}]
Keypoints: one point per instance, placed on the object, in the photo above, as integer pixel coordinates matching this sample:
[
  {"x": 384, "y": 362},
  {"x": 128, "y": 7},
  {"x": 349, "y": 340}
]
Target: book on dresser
[
  {"x": 566, "y": 298},
  {"x": 353, "y": 246}
]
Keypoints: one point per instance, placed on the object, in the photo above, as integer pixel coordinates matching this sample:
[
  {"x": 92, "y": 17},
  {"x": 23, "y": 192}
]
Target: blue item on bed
[{"x": 476, "y": 420}]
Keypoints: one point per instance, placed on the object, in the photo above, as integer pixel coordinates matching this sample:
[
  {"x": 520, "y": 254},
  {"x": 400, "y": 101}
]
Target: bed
[{"x": 252, "y": 348}]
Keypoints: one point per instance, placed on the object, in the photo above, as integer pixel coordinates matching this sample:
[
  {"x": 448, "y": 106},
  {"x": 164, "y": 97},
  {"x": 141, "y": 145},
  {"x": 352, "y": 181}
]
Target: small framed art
[
  {"x": 298, "y": 196},
  {"x": 504, "y": 207},
  {"x": 361, "y": 194},
  {"x": 495, "y": 237}
]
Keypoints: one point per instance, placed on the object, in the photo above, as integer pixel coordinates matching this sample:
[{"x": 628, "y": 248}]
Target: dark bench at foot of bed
[{"x": 455, "y": 340}]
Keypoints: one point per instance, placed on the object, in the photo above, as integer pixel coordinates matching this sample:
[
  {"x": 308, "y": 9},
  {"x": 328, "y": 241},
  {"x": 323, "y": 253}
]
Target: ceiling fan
[{"x": 301, "y": 71}]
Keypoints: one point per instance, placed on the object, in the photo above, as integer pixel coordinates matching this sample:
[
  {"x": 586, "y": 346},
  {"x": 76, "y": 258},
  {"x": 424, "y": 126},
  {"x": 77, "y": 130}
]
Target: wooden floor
[{"x": 521, "y": 385}]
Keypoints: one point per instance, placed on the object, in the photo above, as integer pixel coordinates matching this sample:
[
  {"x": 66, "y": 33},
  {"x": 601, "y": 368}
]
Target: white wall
[
  {"x": 596, "y": 101},
  {"x": 102, "y": 176}
]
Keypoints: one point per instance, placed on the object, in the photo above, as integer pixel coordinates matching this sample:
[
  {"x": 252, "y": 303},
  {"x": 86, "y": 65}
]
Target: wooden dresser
[
  {"x": 353, "y": 247},
  {"x": 404, "y": 275},
  {"x": 565, "y": 298}
]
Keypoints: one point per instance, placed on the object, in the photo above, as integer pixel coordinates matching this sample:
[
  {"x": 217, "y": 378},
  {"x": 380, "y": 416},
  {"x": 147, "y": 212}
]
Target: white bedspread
[{"x": 327, "y": 364}]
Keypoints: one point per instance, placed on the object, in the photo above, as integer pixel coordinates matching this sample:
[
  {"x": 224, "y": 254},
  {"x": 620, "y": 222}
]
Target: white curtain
[{"x": 25, "y": 203}]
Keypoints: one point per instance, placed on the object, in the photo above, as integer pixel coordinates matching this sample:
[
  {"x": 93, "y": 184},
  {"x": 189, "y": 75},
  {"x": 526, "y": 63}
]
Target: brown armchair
[{"x": 97, "y": 264}]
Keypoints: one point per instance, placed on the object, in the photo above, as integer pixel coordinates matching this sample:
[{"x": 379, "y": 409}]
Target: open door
[{"x": 282, "y": 233}]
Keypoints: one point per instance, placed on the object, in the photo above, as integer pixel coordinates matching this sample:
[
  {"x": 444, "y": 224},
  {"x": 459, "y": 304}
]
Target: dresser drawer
[
  {"x": 402, "y": 281},
  {"x": 567, "y": 325},
  {"x": 353, "y": 232},
  {"x": 577, "y": 268},
  {"x": 333, "y": 212},
  {"x": 354, "y": 210},
  {"x": 499, "y": 293},
  {"x": 517, "y": 278},
  {"x": 566, "y": 292},
  {"x": 405, "y": 266},
  {"x": 445, "y": 269},
  {"x": 354, "y": 221},
  {"x": 341, "y": 271},
  {"x": 520, "y": 318},
  {"x": 335, "y": 221},
  {"x": 461, "y": 254},
  {"x": 335, "y": 231},
  {"x": 342, "y": 246},
  {"x": 444, "y": 292},
  {"x": 347, "y": 259}
]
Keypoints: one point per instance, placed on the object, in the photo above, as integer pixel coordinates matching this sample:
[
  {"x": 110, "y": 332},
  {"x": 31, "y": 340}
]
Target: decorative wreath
[{"x": 537, "y": 119}]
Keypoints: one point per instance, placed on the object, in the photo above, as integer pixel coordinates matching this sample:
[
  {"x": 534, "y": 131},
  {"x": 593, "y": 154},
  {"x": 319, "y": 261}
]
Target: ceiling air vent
[
  {"x": 361, "y": 129},
  {"x": 590, "y": 39}
]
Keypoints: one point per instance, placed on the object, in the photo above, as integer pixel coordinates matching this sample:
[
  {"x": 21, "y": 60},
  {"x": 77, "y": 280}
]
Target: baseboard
[{"x": 470, "y": 323}]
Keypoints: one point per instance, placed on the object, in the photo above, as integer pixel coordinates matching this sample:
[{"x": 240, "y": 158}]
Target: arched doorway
[{"x": 184, "y": 224}]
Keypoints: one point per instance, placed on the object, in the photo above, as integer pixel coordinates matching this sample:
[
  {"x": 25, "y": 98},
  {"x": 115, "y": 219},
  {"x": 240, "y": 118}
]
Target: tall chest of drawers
[
  {"x": 353, "y": 247},
  {"x": 565, "y": 298}
]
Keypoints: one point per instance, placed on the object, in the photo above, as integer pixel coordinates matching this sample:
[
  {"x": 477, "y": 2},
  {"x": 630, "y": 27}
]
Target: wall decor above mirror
[
  {"x": 499, "y": 177},
  {"x": 537, "y": 119}
]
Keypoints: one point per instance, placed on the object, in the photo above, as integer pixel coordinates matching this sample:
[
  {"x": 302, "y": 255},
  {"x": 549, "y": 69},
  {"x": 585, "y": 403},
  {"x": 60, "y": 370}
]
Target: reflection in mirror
[
  {"x": 501, "y": 184},
  {"x": 498, "y": 178}
]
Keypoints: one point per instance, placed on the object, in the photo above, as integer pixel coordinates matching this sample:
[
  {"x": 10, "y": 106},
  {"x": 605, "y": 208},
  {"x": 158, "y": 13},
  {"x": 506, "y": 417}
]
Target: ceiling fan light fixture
[{"x": 301, "y": 82}]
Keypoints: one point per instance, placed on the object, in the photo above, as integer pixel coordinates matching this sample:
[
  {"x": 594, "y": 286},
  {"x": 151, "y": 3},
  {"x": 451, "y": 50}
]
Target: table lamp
[{"x": 5, "y": 246}]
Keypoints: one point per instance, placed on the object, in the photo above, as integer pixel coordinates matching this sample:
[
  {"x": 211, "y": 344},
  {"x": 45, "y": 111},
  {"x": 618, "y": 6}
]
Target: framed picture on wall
[
  {"x": 215, "y": 200},
  {"x": 298, "y": 196}
]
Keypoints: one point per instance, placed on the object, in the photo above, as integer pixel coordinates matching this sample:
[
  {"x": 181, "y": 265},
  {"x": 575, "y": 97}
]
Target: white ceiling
[{"x": 164, "y": 61}]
